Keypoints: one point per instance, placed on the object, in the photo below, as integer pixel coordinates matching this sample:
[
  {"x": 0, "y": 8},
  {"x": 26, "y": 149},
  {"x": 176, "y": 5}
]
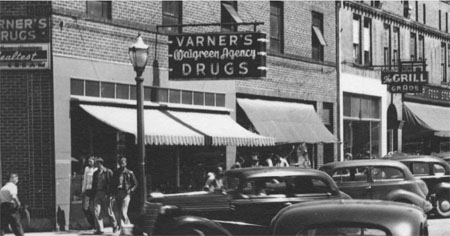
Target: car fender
[
  {"x": 199, "y": 222},
  {"x": 443, "y": 189},
  {"x": 401, "y": 194}
]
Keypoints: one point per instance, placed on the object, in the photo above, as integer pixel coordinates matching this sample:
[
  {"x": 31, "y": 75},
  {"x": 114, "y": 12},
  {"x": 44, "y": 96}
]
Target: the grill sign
[
  {"x": 217, "y": 56},
  {"x": 404, "y": 82}
]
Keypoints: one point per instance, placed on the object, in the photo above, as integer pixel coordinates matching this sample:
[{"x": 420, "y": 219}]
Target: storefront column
[
  {"x": 230, "y": 156},
  {"x": 399, "y": 140}
]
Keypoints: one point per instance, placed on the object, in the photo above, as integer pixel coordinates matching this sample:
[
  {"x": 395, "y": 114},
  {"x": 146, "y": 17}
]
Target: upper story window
[
  {"x": 417, "y": 10},
  {"x": 424, "y": 13},
  {"x": 413, "y": 47},
  {"x": 375, "y": 3},
  {"x": 172, "y": 15},
  {"x": 421, "y": 49},
  {"x": 276, "y": 26},
  {"x": 446, "y": 22},
  {"x": 229, "y": 14},
  {"x": 357, "y": 39},
  {"x": 443, "y": 62},
  {"x": 318, "y": 41},
  {"x": 396, "y": 46},
  {"x": 99, "y": 9},
  {"x": 448, "y": 64},
  {"x": 440, "y": 20},
  {"x": 406, "y": 9},
  {"x": 367, "y": 39},
  {"x": 386, "y": 45}
]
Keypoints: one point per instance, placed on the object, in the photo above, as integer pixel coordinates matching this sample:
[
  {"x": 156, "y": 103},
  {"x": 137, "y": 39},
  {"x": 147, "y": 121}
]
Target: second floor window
[
  {"x": 386, "y": 45},
  {"x": 276, "y": 26},
  {"x": 395, "y": 46},
  {"x": 412, "y": 47},
  {"x": 172, "y": 15},
  {"x": 448, "y": 64},
  {"x": 357, "y": 39},
  {"x": 229, "y": 14},
  {"x": 421, "y": 48},
  {"x": 99, "y": 9},
  {"x": 318, "y": 41},
  {"x": 443, "y": 62},
  {"x": 367, "y": 39}
]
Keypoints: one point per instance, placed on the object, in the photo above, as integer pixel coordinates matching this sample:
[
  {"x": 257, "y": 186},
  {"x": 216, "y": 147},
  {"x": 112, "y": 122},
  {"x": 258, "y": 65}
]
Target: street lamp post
[{"x": 138, "y": 53}]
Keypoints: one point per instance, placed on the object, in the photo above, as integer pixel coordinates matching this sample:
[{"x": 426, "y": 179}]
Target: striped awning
[
  {"x": 221, "y": 129},
  {"x": 427, "y": 117},
  {"x": 179, "y": 127}
]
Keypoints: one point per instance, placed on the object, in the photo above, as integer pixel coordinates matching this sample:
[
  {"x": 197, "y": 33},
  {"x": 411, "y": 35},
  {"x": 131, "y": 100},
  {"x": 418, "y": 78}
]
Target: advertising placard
[
  {"x": 217, "y": 55},
  {"x": 404, "y": 82},
  {"x": 25, "y": 43}
]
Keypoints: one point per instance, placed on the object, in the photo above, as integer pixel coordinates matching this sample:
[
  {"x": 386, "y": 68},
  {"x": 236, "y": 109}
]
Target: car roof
[
  {"x": 422, "y": 158},
  {"x": 369, "y": 162},
  {"x": 386, "y": 213},
  {"x": 249, "y": 172}
]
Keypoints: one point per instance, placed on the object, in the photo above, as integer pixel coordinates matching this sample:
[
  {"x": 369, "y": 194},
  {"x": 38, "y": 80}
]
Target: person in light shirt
[
  {"x": 9, "y": 206},
  {"x": 87, "y": 192}
]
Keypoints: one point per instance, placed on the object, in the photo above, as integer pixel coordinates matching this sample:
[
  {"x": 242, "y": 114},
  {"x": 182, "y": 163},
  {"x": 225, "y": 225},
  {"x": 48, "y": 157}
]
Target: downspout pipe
[{"x": 338, "y": 79}]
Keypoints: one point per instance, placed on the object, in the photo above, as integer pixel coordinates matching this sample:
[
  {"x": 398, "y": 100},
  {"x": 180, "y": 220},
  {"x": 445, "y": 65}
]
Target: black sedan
[
  {"x": 350, "y": 217},
  {"x": 252, "y": 196}
]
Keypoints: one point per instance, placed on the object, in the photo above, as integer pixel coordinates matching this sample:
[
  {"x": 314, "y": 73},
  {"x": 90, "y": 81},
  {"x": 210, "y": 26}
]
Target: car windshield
[
  {"x": 351, "y": 230},
  {"x": 276, "y": 186}
]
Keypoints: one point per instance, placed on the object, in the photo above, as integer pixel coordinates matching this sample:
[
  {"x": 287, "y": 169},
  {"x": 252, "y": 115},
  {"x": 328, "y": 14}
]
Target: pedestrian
[
  {"x": 87, "y": 193},
  {"x": 214, "y": 181},
  {"x": 124, "y": 183},
  {"x": 101, "y": 184},
  {"x": 281, "y": 161},
  {"x": 10, "y": 206},
  {"x": 255, "y": 160}
]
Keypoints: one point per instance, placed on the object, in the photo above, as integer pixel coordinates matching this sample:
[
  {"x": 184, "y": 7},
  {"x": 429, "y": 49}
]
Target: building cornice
[{"x": 389, "y": 18}]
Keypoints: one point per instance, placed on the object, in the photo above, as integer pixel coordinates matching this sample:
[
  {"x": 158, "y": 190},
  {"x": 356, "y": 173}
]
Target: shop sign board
[
  {"x": 434, "y": 94},
  {"x": 24, "y": 43},
  {"x": 217, "y": 55},
  {"x": 404, "y": 82}
]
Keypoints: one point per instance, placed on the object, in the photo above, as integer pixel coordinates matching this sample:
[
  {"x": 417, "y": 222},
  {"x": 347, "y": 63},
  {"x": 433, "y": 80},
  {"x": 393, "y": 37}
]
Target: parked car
[
  {"x": 435, "y": 172},
  {"x": 443, "y": 155},
  {"x": 379, "y": 179},
  {"x": 350, "y": 217},
  {"x": 251, "y": 198}
]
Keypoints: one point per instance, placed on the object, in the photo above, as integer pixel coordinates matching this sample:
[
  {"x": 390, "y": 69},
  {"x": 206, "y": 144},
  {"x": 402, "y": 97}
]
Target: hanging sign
[
  {"x": 404, "y": 82},
  {"x": 24, "y": 43},
  {"x": 217, "y": 56}
]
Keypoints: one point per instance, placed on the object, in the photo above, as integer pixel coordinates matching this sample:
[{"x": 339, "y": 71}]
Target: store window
[
  {"x": 362, "y": 126},
  {"x": 276, "y": 26},
  {"x": 172, "y": 15},
  {"x": 229, "y": 14},
  {"x": 318, "y": 41},
  {"x": 99, "y": 9}
]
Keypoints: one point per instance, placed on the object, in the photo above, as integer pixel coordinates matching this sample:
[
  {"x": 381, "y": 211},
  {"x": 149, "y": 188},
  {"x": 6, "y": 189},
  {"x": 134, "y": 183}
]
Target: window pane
[
  {"x": 175, "y": 96},
  {"x": 92, "y": 88},
  {"x": 107, "y": 90},
  {"x": 386, "y": 173},
  {"x": 147, "y": 93},
  {"x": 276, "y": 26},
  {"x": 76, "y": 87},
  {"x": 122, "y": 91},
  {"x": 187, "y": 97},
  {"x": 438, "y": 169},
  {"x": 163, "y": 95},
  {"x": 209, "y": 99},
  {"x": 220, "y": 100},
  {"x": 133, "y": 92},
  {"x": 353, "y": 174},
  {"x": 419, "y": 168},
  {"x": 199, "y": 98}
]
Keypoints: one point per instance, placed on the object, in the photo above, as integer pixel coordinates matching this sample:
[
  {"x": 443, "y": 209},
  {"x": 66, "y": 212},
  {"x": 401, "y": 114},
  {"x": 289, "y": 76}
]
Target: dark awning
[
  {"x": 288, "y": 122},
  {"x": 428, "y": 117}
]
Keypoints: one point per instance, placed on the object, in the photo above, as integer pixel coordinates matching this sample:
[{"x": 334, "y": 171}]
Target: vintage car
[
  {"x": 443, "y": 155},
  {"x": 350, "y": 217},
  {"x": 251, "y": 198},
  {"x": 379, "y": 179},
  {"x": 435, "y": 172}
]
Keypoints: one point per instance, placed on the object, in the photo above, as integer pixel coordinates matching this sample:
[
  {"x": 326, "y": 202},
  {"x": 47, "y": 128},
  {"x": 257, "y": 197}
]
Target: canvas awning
[
  {"x": 221, "y": 129},
  {"x": 288, "y": 122},
  {"x": 428, "y": 117},
  {"x": 179, "y": 128}
]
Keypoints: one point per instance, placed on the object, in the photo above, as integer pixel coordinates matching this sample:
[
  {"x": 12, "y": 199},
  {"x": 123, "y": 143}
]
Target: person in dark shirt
[
  {"x": 101, "y": 185},
  {"x": 124, "y": 183}
]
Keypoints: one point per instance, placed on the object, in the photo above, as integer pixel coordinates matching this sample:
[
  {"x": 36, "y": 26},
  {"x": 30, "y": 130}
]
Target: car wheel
[
  {"x": 443, "y": 206},
  {"x": 189, "y": 232}
]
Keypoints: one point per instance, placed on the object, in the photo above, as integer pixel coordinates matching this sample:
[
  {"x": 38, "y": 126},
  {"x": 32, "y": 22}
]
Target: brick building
[
  {"x": 379, "y": 36},
  {"x": 80, "y": 100}
]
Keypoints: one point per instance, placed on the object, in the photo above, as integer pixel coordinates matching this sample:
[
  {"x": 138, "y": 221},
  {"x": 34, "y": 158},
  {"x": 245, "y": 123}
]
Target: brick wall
[{"x": 26, "y": 125}]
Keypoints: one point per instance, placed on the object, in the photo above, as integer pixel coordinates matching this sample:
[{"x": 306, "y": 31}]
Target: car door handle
[{"x": 369, "y": 187}]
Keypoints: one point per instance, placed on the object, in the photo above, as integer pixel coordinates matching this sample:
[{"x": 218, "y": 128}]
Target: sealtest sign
[
  {"x": 216, "y": 56},
  {"x": 25, "y": 43}
]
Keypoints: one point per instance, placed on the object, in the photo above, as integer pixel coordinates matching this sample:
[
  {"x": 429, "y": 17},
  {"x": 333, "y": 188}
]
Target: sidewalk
[{"x": 108, "y": 232}]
